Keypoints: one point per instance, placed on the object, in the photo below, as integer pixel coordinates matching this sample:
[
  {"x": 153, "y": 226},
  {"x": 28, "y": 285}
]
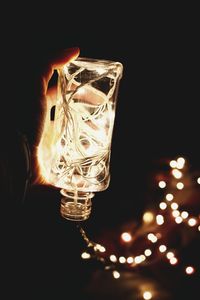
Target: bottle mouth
[{"x": 76, "y": 206}]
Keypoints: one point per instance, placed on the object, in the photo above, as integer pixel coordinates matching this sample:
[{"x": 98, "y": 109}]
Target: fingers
[{"x": 56, "y": 61}]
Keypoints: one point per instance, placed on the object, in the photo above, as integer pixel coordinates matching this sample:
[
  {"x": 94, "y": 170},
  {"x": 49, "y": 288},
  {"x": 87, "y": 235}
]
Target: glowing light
[
  {"x": 99, "y": 248},
  {"x": 163, "y": 205},
  {"x": 180, "y": 185},
  {"x": 151, "y": 237},
  {"x": 173, "y": 261},
  {"x": 162, "y": 248},
  {"x": 147, "y": 252},
  {"x": 130, "y": 260},
  {"x": 147, "y": 295},
  {"x": 126, "y": 237},
  {"x": 85, "y": 255},
  {"x": 180, "y": 163},
  {"x": 199, "y": 227},
  {"x": 113, "y": 258},
  {"x": 169, "y": 197},
  {"x": 184, "y": 214},
  {"x": 122, "y": 259},
  {"x": 177, "y": 174},
  {"x": 178, "y": 220},
  {"x": 170, "y": 254},
  {"x": 192, "y": 222},
  {"x": 175, "y": 213},
  {"x": 162, "y": 184},
  {"x": 198, "y": 180},
  {"x": 139, "y": 259},
  {"x": 189, "y": 270},
  {"x": 174, "y": 206},
  {"x": 116, "y": 274},
  {"x": 159, "y": 219},
  {"x": 173, "y": 164},
  {"x": 148, "y": 217}
]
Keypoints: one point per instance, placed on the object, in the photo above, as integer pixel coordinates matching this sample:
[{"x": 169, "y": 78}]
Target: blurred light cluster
[{"x": 168, "y": 214}]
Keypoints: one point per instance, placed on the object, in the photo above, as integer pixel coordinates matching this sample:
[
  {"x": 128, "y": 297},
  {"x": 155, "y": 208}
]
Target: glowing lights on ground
[
  {"x": 147, "y": 295},
  {"x": 126, "y": 237}
]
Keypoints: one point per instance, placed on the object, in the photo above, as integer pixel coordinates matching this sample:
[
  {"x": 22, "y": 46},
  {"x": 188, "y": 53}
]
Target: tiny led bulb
[{"x": 147, "y": 295}]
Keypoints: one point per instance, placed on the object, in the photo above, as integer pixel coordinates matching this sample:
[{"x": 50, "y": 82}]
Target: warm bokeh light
[
  {"x": 169, "y": 197},
  {"x": 180, "y": 185},
  {"x": 113, "y": 258},
  {"x": 139, "y": 259},
  {"x": 192, "y": 222},
  {"x": 162, "y": 248},
  {"x": 189, "y": 270},
  {"x": 100, "y": 248},
  {"x": 122, "y": 260},
  {"x": 147, "y": 252},
  {"x": 170, "y": 254},
  {"x": 159, "y": 219},
  {"x": 173, "y": 261},
  {"x": 173, "y": 164},
  {"x": 184, "y": 214},
  {"x": 162, "y": 184},
  {"x": 180, "y": 163},
  {"x": 163, "y": 205},
  {"x": 177, "y": 174},
  {"x": 126, "y": 237},
  {"x": 147, "y": 295},
  {"x": 198, "y": 180},
  {"x": 174, "y": 206},
  {"x": 116, "y": 274},
  {"x": 151, "y": 237},
  {"x": 148, "y": 217},
  {"x": 178, "y": 220},
  {"x": 130, "y": 260},
  {"x": 85, "y": 255},
  {"x": 175, "y": 213}
]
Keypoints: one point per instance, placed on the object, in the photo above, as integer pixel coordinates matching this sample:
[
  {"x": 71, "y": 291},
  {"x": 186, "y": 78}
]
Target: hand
[{"x": 46, "y": 99}]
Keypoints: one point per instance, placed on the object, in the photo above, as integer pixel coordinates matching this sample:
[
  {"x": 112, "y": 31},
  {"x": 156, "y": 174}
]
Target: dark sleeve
[{"x": 15, "y": 168}]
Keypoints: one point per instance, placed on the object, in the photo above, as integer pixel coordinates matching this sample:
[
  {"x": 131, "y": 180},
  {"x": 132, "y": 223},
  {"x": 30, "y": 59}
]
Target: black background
[{"x": 157, "y": 118}]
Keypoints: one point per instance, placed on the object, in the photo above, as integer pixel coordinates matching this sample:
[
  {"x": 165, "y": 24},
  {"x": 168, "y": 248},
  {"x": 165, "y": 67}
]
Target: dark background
[{"x": 157, "y": 118}]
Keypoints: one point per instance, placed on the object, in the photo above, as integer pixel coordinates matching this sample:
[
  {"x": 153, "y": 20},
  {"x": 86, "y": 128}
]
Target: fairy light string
[{"x": 156, "y": 226}]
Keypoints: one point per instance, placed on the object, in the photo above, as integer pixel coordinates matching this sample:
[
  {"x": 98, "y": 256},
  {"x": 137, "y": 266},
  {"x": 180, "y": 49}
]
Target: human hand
[{"x": 46, "y": 97}]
